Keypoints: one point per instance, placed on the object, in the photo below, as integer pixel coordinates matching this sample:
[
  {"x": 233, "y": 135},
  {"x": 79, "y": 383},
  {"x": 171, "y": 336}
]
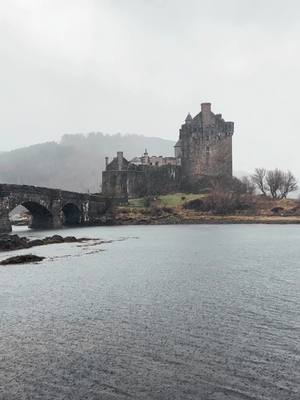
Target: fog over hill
[{"x": 76, "y": 162}]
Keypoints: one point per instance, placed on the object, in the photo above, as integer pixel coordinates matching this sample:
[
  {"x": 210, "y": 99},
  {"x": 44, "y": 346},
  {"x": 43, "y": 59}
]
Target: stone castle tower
[{"x": 204, "y": 147}]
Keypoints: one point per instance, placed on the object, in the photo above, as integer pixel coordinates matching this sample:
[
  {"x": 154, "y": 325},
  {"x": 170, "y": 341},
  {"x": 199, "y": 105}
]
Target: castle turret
[
  {"x": 229, "y": 127},
  {"x": 188, "y": 119},
  {"x": 145, "y": 158},
  {"x": 178, "y": 152},
  {"x": 206, "y": 114}
]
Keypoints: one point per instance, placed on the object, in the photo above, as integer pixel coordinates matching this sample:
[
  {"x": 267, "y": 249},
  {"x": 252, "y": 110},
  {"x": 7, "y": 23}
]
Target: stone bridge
[{"x": 52, "y": 208}]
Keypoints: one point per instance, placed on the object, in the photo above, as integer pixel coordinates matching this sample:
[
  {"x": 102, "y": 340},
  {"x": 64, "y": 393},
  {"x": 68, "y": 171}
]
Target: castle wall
[
  {"x": 151, "y": 180},
  {"x": 206, "y": 158},
  {"x": 114, "y": 183},
  {"x": 140, "y": 181}
]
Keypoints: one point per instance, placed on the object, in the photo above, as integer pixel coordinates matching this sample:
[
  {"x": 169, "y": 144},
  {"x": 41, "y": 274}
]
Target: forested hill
[{"x": 76, "y": 162}]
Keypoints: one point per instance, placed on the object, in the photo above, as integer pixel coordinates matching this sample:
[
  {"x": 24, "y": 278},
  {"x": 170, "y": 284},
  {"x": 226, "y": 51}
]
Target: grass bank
[{"x": 174, "y": 209}]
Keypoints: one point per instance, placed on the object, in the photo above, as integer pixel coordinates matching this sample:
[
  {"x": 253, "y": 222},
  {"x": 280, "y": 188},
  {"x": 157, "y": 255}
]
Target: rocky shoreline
[
  {"x": 16, "y": 242},
  {"x": 215, "y": 221},
  {"x": 194, "y": 219}
]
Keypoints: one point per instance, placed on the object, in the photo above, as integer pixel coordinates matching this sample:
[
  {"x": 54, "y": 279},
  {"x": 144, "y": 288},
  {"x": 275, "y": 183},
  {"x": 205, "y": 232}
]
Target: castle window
[
  {"x": 207, "y": 149},
  {"x": 207, "y": 137}
]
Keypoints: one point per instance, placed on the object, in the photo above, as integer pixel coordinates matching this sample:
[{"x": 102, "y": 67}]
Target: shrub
[
  {"x": 155, "y": 211},
  {"x": 196, "y": 205},
  {"x": 277, "y": 210},
  {"x": 222, "y": 202},
  {"x": 168, "y": 210}
]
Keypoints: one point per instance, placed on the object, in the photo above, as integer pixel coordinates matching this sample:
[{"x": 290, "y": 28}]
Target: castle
[{"x": 203, "y": 152}]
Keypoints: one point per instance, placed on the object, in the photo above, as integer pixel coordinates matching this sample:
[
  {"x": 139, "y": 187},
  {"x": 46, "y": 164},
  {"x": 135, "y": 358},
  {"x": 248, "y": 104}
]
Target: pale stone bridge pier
[{"x": 52, "y": 208}]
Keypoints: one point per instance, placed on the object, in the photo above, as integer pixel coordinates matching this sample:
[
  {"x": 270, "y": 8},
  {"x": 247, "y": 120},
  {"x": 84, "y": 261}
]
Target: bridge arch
[
  {"x": 72, "y": 214},
  {"x": 41, "y": 217}
]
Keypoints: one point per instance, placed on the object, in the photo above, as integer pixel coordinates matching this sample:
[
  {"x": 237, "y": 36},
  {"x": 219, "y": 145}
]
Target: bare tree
[
  {"x": 259, "y": 180},
  {"x": 289, "y": 184},
  {"x": 276, "y": 183}
]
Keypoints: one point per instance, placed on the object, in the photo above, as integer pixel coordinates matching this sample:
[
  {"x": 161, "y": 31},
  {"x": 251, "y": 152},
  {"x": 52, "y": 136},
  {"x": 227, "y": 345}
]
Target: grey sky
[{"x": 139, "y": 66}]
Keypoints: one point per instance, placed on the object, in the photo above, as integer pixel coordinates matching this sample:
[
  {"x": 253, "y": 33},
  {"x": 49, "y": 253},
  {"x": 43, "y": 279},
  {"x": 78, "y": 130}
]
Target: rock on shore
[{"x": 25, "y": 258}]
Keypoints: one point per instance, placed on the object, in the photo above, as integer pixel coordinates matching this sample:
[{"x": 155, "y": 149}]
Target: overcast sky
[{"x": 139, "y": 66}]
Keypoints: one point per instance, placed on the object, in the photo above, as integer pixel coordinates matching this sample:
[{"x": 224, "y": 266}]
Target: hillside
[{"x": 76, "y": 162}]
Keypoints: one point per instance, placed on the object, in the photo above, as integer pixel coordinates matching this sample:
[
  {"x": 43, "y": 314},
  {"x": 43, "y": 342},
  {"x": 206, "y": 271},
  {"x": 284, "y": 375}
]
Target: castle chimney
[
  {"x": 106, "y": 162},
  {"x": 120, "y": 160},
  {"x": 206, "y": 113}
]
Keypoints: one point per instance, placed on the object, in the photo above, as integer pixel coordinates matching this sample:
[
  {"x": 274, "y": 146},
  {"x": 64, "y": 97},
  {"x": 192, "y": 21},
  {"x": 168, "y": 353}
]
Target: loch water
[{"x": 185, "y": 312}]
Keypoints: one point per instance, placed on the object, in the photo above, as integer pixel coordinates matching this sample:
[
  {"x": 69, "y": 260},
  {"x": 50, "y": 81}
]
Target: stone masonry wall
[
  {"x": 139, "y": 181},
  {"x": 151, "y": 180},
  {"x": 207, "y": 159},
  {"x": 114, "y": 183}
]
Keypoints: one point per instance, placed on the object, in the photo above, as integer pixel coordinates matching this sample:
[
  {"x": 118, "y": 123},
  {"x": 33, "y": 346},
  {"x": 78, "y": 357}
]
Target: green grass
[
  {"x": 169, "y": 200},
  {"x": 139, "y": 202},
  {"x": 177, "y": 199}
]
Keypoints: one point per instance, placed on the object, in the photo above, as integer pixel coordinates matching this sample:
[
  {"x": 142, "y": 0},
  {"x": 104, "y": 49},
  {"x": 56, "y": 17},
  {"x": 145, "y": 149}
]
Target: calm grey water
[{"x": 167, "y": 312}]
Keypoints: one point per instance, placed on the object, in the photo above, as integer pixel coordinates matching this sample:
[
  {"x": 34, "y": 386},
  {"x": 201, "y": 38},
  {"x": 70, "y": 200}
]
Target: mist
[{"x": 138, "y": 66}]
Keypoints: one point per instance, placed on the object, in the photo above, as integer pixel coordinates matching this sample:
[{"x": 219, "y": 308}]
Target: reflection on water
[{"x": 182, "y": 312}]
